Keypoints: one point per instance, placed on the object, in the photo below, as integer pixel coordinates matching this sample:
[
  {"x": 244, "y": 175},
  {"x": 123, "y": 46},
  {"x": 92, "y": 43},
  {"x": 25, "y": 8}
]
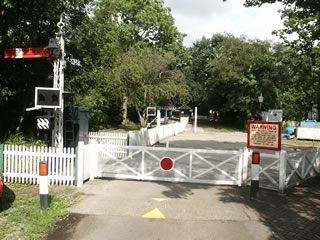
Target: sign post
[
  {"x": 55, "y": 100},
  {"x": 255, "y": 168},
  {"x": 261, "y": 135},
  {"x": 44, "y": 189}
]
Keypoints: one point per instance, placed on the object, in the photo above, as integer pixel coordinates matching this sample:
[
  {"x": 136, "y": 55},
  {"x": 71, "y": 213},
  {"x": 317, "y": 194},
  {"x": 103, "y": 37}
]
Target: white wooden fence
[
  {"x": 144, "y": 137},
  {"x": 108, "y": 138},
  {"x": 147, "y": 137},
  {"x": 282, "y": 170},
  {"x": 301, "y": 166},
  {"x": 21, "y": 164}
]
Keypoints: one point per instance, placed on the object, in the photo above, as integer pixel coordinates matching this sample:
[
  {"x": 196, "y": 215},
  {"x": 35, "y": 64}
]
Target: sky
[{"x": 198, "y": 18}]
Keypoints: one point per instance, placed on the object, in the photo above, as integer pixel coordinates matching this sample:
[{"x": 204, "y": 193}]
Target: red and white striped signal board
[{"x": 45, "y": 52}]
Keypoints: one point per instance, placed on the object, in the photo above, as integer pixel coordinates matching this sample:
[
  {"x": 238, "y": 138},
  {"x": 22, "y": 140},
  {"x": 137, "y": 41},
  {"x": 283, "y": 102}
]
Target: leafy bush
[{"x": 19, "y": 139}]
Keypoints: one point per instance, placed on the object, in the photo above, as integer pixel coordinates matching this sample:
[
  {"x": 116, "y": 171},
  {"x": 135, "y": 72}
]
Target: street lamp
[{"x": 260, "y": 99}]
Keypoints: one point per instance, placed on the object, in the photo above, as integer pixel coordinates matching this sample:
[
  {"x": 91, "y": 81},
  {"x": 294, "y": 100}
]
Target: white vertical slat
[
  {"x": 70, "y": 160},
  {"x": 18, "y": 157},
  {"x": 67, "y": 168},
  {"x": 32, "y": 165},
  {"x": 12, "y": 163},
  {"x": 9, "y": 163},
  {"x": 72, "y": 169},
  {"x": 49, "y": 162},
  {"x": 23, "y": 159},
  {"x": 16, "y": 165},
  {"x": 5, "y": 163},
  {"x": 19, "y": 164},
  {"x": 23, "y": 170},
  {"x": 36, "y": 164},
  {"x": 60, "y": 165},
  {"x": 8, "y": 157},
  {"x": 34, "y": 161},
  {"x": 53, "y": 165},
  {"x": 27, "y": 165},
  {"x": 65, "y": 150}
]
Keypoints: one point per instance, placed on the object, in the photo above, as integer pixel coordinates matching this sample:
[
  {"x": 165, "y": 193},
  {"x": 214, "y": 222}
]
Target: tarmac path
[{"x": 119, "y": 209}]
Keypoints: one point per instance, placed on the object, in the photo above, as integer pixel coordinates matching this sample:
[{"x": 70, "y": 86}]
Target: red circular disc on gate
[{"x": 166, "y": 163}]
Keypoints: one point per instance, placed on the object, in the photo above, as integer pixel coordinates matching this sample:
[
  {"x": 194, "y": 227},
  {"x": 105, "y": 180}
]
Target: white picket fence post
[{"x": 80, "y": 164}]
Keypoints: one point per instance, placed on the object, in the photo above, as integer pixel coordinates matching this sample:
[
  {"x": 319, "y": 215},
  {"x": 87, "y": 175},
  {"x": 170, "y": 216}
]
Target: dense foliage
[
  {"x": 27, "y": 23},
  {"x": 301, "y": 35}
]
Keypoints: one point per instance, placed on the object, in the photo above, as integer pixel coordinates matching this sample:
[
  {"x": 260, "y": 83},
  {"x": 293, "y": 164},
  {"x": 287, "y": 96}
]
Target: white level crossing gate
[{"x": 189, "y": 165}]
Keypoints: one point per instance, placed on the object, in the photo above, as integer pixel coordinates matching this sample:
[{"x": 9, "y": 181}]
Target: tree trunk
[
  {"x": 125, "y": 111},
  {"x": 23, "y": 111},
  {"x": 141, "y": 118}
]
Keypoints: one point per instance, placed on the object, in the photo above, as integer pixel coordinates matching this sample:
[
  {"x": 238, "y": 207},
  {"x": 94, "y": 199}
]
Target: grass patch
[
  {"x": 231, "y": 129},
  {"x": 300, "y": 142},
  {"x": 226, "y": 127},
  {"x": 131, "y": 126},
  {"x": 22, "y": 217}
]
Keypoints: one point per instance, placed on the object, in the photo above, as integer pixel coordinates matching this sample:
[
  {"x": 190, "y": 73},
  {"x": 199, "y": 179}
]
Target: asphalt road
[{"x": 115, "y": 209}]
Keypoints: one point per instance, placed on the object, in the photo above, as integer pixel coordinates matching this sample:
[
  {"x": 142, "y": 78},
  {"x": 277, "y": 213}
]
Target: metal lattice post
[{"x": 57, "y": 136}]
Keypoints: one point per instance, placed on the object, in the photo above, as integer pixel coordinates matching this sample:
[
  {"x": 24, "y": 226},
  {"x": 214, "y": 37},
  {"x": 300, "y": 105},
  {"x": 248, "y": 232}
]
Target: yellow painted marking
[
  {"x": 80, "y": 205},
  {"x": 155, "y": 213},
  {"x": 160, "y": 199}
]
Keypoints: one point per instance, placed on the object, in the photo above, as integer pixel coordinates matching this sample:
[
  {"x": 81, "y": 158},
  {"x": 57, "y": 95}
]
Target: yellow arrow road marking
[
  {"x": 160, "y": 199},
  {"x": 155, "y": 213}
]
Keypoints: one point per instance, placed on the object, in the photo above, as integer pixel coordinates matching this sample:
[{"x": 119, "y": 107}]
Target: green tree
[
  {"x": 118, "y": 31},
  {"x": 301, "y": 34},
  {"x": 241, "y": 70},
  {"x": 202, "y": 52},
  {"x": 148, "y": 77}
]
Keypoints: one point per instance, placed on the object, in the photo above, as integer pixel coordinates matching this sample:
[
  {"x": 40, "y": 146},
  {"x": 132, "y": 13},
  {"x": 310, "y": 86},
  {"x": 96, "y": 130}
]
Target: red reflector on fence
[
  {"x": 255, "y": 158},
  {"x": 43, "y": 169},
  {"x": 166, "y": 163}
]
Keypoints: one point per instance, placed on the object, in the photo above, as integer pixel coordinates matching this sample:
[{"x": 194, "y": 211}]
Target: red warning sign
[
  {"x": 264, "y": 135},
  {"x": 166, "y": 163}
]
